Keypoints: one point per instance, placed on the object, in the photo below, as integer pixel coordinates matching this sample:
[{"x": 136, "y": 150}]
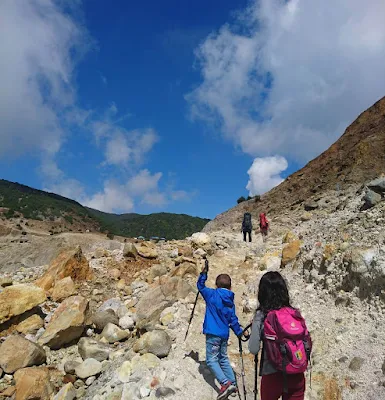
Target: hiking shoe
[{"x": 226, "y": 390}]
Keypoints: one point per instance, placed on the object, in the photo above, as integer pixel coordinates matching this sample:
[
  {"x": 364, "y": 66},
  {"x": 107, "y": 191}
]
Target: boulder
[
  {"x": 129, "y": 250},
  {"x": 154, "y": 301},
  {"x": 101, "y": 318},
  {"x": 66, "y": 324},
  {"x": 186, "y": 268},
  {"x": 6, "y": 281},
  {"x": 112, "y": 304},
  {"x": 270, "y": 261},
  {"x": 30, "y": 325},
  {"x": 377, "y": 185},
  {"x": 121, "y": 284},
  {"x": 68, "y": 263},
  {"x": 310, "y": 206},
  {"x": 157, "y": 270},
  {"x": 167, "y": 319},
  {"x": 127, "y": 322},
  {"x": 17, "y": 352},
  {"x": 200, "y": 253},
  {"x": 289, "y": 237},
  {"x": 364, "y": 270},
  {"x": 89, "y": 367},
  {"x": 306, "y": 216},
  {"x": 157, "y": 342},
  {"x": 146, "y": 361},
  {"x": 114, "y": 273},
  {"x": 113, "y": 333},
  {"x": 147, "y": 250},
  {"x": 356, "y": 363},
  {"x": 164, "y": 391},
  {"x": 91, "y": 348},
  {"x": 124, "y": 372},
  {"x": 69, "y": 366},
  {"x": 201, "y": 240},
  {"x": 371, "y": 199},
  {"x": 33, "y": 383},
  {"x": 8, "y": 392},
  {"x": 17, "y": 299},
  {"x": 63, "y": 289},
  {"x": 67, "y": 392},
  {"x": 290, "y": 252}
]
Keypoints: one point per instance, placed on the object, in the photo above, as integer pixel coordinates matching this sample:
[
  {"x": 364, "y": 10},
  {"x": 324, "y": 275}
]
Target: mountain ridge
[
  {"x": 57, "y": 213},
  {"x": 355, "y": 158}
]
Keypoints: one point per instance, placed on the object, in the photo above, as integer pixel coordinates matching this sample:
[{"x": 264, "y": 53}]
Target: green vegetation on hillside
[
  {"x": 242, "y": 198},
  {"x": 170, "y": 226},
  {"x": 40, "y": 205},
  {"x": 37, "y": 204}
]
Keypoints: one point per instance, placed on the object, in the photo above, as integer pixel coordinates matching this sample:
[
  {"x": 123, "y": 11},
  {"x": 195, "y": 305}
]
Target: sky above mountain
[{"x": 179, "y": 106}]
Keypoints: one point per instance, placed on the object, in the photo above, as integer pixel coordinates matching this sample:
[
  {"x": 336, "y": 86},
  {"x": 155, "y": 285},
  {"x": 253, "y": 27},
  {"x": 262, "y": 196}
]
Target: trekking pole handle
[
  {"x": 244, "y": 338},
  {"x": 206, "y": 268}
]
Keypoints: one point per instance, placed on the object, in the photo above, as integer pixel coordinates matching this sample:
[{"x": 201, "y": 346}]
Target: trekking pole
[
  {"x": 255, "y": 377},
  {"x": 242, "y": 370},
  {"x": 205, "y": 270},
  {"x": 242, "y": 363}
]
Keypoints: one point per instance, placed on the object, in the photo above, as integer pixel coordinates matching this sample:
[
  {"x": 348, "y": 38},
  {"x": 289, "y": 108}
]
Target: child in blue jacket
[{"x": 219, "y": 318}]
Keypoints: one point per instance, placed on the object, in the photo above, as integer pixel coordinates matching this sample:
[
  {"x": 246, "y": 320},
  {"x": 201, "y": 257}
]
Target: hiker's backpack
[
  {"x": 287, "y": 342},
  {"x": 246, "y": 225},
  {"x": 263, "y": 223}
]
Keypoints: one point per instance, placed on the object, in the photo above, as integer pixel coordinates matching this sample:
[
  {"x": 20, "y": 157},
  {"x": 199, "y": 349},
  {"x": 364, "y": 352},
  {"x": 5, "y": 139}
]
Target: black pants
[{"x": 244, "y": 235}]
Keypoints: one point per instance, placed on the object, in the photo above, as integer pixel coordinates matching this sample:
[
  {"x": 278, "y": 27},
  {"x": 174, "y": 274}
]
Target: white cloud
[
  {"x": 70, "y": 188},
  {"x": 288, "y": 76},
  {"x": 117, "y": 197},
  {"x": 143, "y": 182},
  {"x": 156, "y": 199},
  {"x": 113, "y": 197},
  {"x": 264, "y": 174},
  {"x": 143, "y": 187},
  {"x": 177, "y": 195},
  {"x": 38, "y": 46},
  {"x": 118, "y": 150}
]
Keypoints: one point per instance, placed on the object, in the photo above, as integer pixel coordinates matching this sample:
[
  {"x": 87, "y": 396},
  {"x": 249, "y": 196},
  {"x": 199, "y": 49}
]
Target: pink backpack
[{"x": 287, "y": 341}]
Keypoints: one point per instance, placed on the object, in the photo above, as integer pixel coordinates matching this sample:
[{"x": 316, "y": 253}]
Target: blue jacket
[{"x": 220, "y": 310}]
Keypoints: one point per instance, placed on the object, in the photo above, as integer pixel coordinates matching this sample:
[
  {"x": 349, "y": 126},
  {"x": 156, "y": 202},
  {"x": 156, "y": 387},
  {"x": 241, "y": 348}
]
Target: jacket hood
[{"x": 227, "y": 297}]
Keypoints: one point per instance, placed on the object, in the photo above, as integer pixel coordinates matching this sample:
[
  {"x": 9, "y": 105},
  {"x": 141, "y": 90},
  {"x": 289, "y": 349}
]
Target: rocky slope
[
  {"x": 108, "y": 321},
  {"x": 357, "y": 157},
  {"x": 90, "y": 318}
]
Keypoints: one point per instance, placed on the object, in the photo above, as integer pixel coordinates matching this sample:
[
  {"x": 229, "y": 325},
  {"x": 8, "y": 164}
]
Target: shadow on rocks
[{"x": 203, "y": 369}]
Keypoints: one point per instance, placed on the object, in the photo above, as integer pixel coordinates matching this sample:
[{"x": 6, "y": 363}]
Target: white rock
[
  {"x": 124, "y": 372},
  {"x": 87, "y": 368},
  {"x": 90, "y": 380},
  {"x": 126, "y": 322},
  {"x": 144, "y": 392}
]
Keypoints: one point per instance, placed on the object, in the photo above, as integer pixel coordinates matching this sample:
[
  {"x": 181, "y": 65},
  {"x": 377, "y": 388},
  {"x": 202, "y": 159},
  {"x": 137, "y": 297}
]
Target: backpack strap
[
  {"x": 308, "y": 351},
  {"x": 283, "y": 350}
]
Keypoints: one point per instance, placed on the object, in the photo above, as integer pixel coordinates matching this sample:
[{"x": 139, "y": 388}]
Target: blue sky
[{"x": 179, "y": 106}]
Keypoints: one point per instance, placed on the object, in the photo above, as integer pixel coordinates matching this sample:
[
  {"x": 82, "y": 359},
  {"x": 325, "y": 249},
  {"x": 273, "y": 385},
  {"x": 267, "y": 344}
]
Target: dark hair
[
  {"x": 223, "y": 281},
  {"x": 272, "y": 292}
]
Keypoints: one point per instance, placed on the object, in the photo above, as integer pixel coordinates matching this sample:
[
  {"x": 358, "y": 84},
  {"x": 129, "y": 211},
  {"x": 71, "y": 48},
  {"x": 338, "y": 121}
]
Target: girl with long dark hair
[{"x": 273, "y": 294}]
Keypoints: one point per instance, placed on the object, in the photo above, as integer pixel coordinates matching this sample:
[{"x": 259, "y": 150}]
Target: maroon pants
[{"x": 272, "y": 387}]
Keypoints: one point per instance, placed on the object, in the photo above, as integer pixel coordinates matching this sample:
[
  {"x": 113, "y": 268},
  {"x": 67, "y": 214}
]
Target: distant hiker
[
  {"x": 220, "y": 316},
  {"x": 247, "y": 226},
  {"x": 286, "y": 341},
  {"x": 263, "y": 225}
]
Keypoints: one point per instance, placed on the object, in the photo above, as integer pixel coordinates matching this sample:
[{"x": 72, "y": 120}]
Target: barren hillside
[{"x": 357, "y": 157}]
